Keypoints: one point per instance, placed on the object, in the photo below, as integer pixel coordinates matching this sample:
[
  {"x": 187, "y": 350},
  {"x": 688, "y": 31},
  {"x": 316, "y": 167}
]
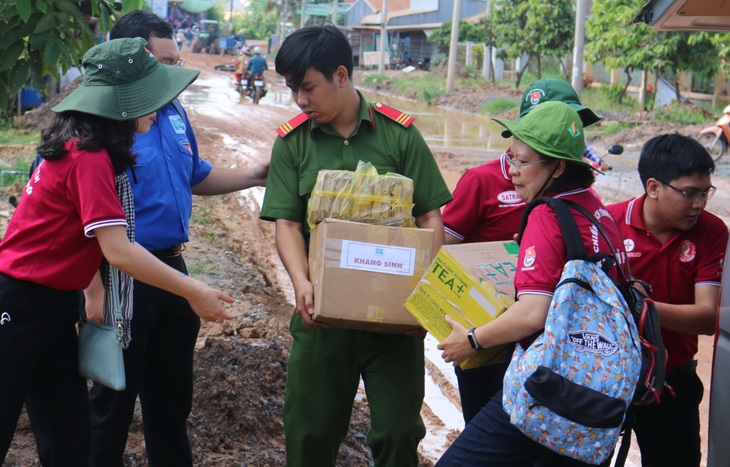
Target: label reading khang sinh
[{"x": 374, "y": 257}]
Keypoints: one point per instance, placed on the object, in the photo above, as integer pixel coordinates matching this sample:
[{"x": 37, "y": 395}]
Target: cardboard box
[
  {"x": 363, "y": 273},
  {"x": 471, "y": 282}
]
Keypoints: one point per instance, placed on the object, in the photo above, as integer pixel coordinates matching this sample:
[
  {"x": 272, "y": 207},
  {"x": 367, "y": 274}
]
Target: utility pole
[
  {"x": 303, "y": 17},
  {"x": 334, "y": 13},
  {"x": 453, "y": 48},
  {"x": 582, "y": 11},
  {"x": 230, "y": 19},
  {"x": 383, "y": 37}
]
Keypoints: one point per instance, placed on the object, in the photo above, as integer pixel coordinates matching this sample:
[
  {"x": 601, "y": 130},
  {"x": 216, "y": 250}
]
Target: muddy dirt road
[{"x": 240, "y": 365}]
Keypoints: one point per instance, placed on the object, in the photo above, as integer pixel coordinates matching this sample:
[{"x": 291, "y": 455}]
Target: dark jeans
[
  {"x": 39, "y": 366},
  {"x": 159, "y": 367},
  {"x": 669, "y": 433},
  {"x": 478, "y": 385},
  {"x": 490, "y": 440}
]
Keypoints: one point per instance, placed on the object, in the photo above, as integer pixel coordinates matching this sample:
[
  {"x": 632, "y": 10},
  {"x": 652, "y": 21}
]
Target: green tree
[
  {"x": 533, "y": 28},
  {"x": 256, "y": 22},
  {"x": 47, "y": 37},
  {"x": 615, "y": 42},
  {"x": 722, "y": 45},
  {"x": 474, "y": 32}
]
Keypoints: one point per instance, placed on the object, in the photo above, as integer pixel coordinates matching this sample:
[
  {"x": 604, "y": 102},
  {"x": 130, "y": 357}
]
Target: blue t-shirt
[
  {"x": 168, "y": 166},
  {"x": 257, "y": 65}
]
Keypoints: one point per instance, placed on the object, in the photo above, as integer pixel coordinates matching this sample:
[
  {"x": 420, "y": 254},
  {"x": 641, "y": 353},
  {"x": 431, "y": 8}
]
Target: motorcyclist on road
[{"x": 257, "y": 64}]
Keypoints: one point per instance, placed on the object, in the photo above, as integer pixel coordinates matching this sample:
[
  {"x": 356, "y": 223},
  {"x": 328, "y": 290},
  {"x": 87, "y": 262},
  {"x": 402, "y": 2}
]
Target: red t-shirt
[
  {"x": 49, "y": 240},
  {"x": 674, "y": 269},
  {"x": 542, "y": 248},
  {"x": 485, "y": 207}
]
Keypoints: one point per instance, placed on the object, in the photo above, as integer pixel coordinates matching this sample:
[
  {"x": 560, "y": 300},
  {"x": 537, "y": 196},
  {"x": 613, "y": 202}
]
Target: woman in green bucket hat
[
  {"x": 547, "y": 160},
  {"x": 69, "y": 216}
]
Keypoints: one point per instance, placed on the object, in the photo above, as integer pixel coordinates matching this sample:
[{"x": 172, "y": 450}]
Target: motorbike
[
  {"x": 241, "y": 83},
  {"x": 715, "y": 138},
  {"x": 231, "y": 66},
  {"x": 256, "y": 88}
]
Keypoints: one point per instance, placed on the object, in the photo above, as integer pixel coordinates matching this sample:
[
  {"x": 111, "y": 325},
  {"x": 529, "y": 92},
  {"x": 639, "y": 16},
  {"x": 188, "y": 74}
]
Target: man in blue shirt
[
  {"x": 159, "y": 359},
  {"x": 257, "y": 64}
]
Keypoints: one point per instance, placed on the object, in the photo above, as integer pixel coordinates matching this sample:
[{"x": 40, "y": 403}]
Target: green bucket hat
[
  {"x": 123, "y": 81},
  {"x": 554, "y": 89},
  {"x": 553, "y": 129}
]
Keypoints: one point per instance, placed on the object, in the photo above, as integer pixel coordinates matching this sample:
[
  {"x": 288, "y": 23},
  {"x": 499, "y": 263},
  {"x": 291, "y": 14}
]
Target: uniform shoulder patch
[
  {"x": 395, "y": 114},
  {"x": 286, "y": 128}
]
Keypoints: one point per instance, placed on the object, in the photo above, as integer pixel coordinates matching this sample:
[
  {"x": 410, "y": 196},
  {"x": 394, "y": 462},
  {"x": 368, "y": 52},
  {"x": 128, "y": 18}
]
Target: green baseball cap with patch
[
  {"x": 553, "y": 129},
  {"x": 554, "y": 89},
  {"x": 123, "y": 81}
]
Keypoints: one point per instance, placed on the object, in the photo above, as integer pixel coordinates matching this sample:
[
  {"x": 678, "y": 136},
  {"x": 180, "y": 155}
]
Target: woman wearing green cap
[
  {"x": 547, "y": 160},
  {"x": 69, "y": 216}
]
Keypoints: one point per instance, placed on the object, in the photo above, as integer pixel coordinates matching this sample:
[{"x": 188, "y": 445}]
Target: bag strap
[
  {"x": 623, "y": 451},
  {"x": 116, "y": 304},
  {"x": 571, "y": 235},
  {"x": 178, "y": 107}
]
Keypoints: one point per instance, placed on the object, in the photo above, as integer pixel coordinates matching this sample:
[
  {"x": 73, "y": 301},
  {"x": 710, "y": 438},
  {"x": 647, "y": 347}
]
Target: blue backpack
[{"x": 571, "y": 388}]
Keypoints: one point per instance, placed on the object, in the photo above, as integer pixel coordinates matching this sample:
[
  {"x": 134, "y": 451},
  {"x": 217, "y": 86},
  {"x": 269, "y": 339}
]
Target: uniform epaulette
[
  {"x": 286, "y": 128},
  {"x": 400, "y": 117}
]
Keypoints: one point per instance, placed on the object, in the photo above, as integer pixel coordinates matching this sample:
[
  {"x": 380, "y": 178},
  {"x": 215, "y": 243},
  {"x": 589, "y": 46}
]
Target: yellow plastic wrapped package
[{"x": 362, "y": 196}]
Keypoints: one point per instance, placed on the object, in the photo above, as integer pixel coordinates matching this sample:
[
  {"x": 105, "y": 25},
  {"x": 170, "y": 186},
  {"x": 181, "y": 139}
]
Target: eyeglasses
[
  {"x": 521, "y": 165},
  {"x": 704, "y": 195}
]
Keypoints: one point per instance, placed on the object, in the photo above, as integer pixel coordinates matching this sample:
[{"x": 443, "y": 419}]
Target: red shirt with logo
[
  {"x": 485, "y": 207},
  {"x": 674, "y": 269},
  {"x": 50, "y": 238},
  {"x": 542, "y": 248}
]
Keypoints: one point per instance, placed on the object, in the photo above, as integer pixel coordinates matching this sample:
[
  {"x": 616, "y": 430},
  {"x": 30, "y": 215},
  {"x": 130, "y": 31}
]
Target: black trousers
[
  {"x": 669, "y": 433},
  {"x": 39, "y": 367},
  {"x": 159, "y": 368},
  {"x": 478, "y": 385}
]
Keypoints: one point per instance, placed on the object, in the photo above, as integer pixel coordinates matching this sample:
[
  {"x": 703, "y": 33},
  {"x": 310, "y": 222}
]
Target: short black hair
[
  {"x": 144, "y": 24},
  {"x": 672, "y": 156},
  {"x": 323, "y": 48}
]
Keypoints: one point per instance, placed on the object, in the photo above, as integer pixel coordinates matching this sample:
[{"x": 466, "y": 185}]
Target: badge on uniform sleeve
[
  {"x": 529, "y": 260},
  {"x": 177, "y": 124}
]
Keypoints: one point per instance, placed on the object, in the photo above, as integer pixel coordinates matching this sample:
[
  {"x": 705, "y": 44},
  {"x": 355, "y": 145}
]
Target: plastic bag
[{"x": 362, "y": 196}]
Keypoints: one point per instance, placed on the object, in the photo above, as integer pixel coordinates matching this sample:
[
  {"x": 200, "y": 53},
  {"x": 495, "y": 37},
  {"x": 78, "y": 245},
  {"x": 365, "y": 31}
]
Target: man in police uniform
[
  {"x": 338, "y": 128},
  {"x": 159, "y": 359}
]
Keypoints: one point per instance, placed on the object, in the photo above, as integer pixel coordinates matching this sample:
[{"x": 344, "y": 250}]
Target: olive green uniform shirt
[{"x": 297, "y": 158}]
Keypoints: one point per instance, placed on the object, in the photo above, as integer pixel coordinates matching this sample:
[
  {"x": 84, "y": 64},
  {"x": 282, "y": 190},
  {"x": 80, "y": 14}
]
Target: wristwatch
[{"x": 473, "y": 340}]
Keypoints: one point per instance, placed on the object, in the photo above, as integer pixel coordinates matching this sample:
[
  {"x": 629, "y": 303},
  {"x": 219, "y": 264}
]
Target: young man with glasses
[
  {"x": 678, "y": 247},
  {"x": 159, "y": 360}
]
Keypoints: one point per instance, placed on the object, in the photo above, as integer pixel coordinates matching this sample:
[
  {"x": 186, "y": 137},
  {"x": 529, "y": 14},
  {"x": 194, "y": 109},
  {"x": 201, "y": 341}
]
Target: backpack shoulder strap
[
  {"x": 571, "y": 235},
  {"x": 624, "y": 275},
  {"x": 178, "y": 107}
]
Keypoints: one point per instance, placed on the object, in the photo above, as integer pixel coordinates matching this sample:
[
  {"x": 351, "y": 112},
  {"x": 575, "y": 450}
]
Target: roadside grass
[
  {"x": 605, "y": 98},
  {"x": 14, "y": 170},
  {"x": 10, "y": 135},
  {"x": 202, "y": 268},
  {"x": 14, "y": 167},
  {"x": 682, "y": 114},
  {"x": 498, "y": 106}
]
